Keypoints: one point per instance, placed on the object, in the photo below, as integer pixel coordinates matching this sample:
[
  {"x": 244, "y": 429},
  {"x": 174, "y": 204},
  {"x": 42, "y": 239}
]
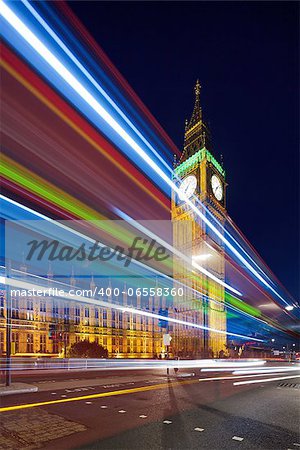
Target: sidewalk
[
  {"x": 105, "y": 381},
  {"x": 17, "y": 388}
]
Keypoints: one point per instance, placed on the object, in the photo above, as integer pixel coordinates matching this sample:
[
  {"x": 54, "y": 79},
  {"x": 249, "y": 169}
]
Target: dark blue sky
[{"x": 246, "y": 57}]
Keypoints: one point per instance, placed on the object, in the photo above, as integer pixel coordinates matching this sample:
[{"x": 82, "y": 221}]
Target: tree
[{"x": 87, "y": 349}]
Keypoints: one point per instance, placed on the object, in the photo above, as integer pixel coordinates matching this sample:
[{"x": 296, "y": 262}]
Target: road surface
[{"x": 135, "y": 410}]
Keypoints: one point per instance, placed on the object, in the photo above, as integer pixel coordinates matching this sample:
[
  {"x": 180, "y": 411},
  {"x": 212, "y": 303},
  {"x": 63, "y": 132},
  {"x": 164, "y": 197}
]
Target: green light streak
[
  {"x": 56, "y": 196},
  {"x": 242, "y": 306}
]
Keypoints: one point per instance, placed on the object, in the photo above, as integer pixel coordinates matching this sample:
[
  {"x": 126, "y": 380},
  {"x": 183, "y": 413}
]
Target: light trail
[
  {"x": 69, "y": 116},
  {"x": 266, "y": 370},
  {"x": 93, "y": 81},
  {"x": 266, "y": 380},
  {"x": 117, "y": 364},
  {"x": 73, "y": 231},
  {"x": 71, "y": 80},
  {"x": 29, "y": 286},
  {"x": 56, "y": 223},
  {"x": 241, "y": 370}
]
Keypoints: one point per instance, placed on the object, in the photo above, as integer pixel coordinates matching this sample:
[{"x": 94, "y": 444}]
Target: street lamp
[{"x": 273, "y": 340}]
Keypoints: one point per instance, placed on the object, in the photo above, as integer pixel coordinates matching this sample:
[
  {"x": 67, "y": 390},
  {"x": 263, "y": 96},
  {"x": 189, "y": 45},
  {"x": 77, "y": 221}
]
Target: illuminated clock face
[
  {"x": 217, "y": 187},
  {"x": 187, "y": 187}
]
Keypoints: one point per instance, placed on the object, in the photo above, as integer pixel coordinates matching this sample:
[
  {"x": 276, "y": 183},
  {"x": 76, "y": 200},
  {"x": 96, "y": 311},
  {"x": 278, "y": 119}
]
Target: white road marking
[
  {"x": 122, "y": 411},
  {"x": 88, "y": 403},
  {"x": 142, "y": 416},
  {"x": 167, "y": 422},
  {"x": 53, "y": 393},
  {"x": 198, "y": 429},
  {"x": 63, "y": 395},
  {"x": 237, "y": 438},
  {"x": 110, "y": 385},
  {"x": 103, "y": 407}
]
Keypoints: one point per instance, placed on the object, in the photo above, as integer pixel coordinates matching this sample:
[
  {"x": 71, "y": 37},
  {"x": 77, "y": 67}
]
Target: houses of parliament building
[{"x": 48, "y": 326}]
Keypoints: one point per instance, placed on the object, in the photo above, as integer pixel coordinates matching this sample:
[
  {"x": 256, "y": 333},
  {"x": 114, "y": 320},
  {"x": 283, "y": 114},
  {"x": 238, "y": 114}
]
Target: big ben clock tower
[{"x": 201, "y": 178}]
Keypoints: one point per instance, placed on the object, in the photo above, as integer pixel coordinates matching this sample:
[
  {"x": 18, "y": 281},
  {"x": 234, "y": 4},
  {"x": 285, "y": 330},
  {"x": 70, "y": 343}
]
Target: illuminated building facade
[{"x": 48, "y": 326}]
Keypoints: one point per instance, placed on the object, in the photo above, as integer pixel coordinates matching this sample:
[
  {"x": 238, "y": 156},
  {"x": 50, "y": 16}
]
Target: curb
[{"x": 17, "y": 388}]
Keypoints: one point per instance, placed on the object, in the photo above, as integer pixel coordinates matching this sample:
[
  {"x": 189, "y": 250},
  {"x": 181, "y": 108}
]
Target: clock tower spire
[{"x": 196, "y": 135}]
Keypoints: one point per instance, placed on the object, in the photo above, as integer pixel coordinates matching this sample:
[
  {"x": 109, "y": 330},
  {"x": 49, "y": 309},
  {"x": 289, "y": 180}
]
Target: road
[{"x": 152, "y": 411}]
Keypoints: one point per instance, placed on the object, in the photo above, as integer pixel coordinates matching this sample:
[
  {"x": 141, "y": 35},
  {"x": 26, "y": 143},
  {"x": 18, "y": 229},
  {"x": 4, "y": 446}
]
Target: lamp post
[{"x": 8, "y": 328}]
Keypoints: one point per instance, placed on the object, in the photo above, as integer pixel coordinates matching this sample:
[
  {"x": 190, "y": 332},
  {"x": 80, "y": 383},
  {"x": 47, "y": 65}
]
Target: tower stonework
[{"x": 201, "y": 178}]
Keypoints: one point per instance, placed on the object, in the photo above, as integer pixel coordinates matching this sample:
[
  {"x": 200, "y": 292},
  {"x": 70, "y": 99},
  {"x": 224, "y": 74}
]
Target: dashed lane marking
[
  {"x": 167, "y": 422},
  {"x": 122, "y": 411},
  {"x": 198, "y": 429},
  {"x": 88, "y": 403},
  {"x": 53, "y": 393},
  {"x": 103, "y": 407},
  {"x": 142, "y": 416},
  {"x": 237, "y": 438}
]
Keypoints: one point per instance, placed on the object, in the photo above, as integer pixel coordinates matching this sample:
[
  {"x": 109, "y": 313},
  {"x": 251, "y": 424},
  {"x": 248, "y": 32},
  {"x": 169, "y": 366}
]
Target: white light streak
[
  {"x": 266, "y": 380},
  {"x": 266, "y": 370},
  {"x": 173, "y": 250},
  {"x": 30, "y": 286}
]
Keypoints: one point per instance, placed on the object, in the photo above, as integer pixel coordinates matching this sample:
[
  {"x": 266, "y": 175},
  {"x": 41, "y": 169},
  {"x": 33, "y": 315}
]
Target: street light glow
[
  {"x": 289, "y": 308},
  {"x": 202, "y": 257}
]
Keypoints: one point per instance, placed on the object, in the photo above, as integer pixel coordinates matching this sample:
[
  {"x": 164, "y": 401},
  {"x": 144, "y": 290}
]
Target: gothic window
[
  {"x": 15, "y": 308},
  {"x": 77, "y": 316},
  {"x": 66, "y": 314},
  {"x": 55, "y": 310},
  {"x": 29, "y": 343},
  {"x": 43, "y": 343},
  {"x": 29, "y": 312},
  {"x": 86, "y": 316},
  {"x": 15, "y": 339}
]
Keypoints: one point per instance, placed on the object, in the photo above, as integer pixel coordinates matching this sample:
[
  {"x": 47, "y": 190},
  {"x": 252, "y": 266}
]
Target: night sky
[{"x": 246, "y": 57}]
